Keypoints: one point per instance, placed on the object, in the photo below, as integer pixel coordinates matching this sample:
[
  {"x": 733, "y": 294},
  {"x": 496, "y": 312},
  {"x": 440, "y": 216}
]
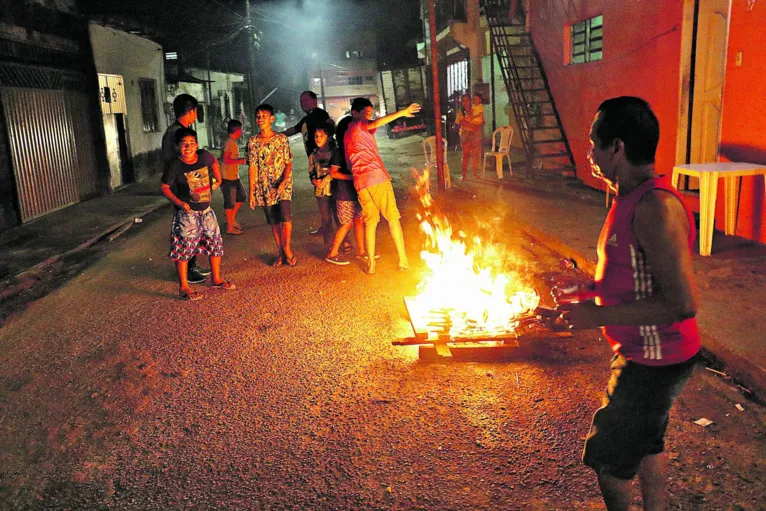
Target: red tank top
[{"x": 623, "y": 276}]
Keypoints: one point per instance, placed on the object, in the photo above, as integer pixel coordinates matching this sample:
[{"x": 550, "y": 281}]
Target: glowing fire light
[{"x": 465, "y": 289}]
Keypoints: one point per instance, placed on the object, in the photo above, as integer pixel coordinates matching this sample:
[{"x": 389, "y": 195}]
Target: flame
[{"x": 467, "y": 286}]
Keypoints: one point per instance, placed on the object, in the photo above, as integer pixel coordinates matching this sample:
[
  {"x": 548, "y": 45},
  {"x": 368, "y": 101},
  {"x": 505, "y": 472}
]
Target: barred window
[
  {"x": 148, "y": 90},
  {"x": 587, "y": 40}
]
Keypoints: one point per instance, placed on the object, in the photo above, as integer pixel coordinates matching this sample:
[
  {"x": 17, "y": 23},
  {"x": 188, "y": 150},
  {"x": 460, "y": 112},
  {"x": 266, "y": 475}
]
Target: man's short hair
[
  {"x": 185, "y": 132},
  {"x": 233, "y": 126},
  {"x": 265, "y": 107},
  {"x": 478, "y": 95},
  {"x": 183, "y": 104},
  {"x": 631, "y": 120},
  {"x": 327, "y": 126},
  {"x": 309, "y": 93},
  {"x": 359, "y": 104}
]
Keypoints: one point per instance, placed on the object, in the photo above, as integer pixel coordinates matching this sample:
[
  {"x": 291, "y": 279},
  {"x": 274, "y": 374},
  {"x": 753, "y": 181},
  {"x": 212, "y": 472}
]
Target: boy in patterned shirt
[{"x": 270, "y": 171}]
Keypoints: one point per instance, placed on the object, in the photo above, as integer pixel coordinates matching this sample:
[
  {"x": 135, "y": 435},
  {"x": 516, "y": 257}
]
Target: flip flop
[
  {"x": 292, "y": 261},
  {"x": 189, "y": 297},
  {"x": 233, "y": 231},
  {"x": 404, "y": 267},
  {"x": 225, "y": 284},
  {"x": 278, "y": 262}
]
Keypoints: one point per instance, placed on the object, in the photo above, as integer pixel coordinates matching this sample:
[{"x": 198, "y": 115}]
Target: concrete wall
[
  {"x": 134, "y": 58},
  {"x": 744, "y": 115}
]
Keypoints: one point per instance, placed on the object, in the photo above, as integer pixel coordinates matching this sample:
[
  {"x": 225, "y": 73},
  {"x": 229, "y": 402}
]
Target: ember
[{"x": 467, "y": 290}]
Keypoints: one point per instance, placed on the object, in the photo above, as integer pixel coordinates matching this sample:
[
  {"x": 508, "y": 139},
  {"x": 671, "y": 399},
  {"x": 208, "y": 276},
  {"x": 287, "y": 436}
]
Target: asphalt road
[{"x": 287, "y": 393}]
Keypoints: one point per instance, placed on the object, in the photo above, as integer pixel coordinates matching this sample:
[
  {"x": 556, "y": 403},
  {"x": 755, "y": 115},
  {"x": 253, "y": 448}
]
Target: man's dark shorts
[
  {"x": 631, "y": 423},
  {"x": 233, "y": 192},
  {"x": 278, "y": 213}
]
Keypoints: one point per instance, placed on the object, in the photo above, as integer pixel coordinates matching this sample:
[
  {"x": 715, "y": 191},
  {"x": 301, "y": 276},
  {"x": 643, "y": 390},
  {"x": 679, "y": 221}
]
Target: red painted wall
[
  {"x": 743, "y": 131},
  {"x": 642, "y": 52},
  {"x": 642, "y": 45}
]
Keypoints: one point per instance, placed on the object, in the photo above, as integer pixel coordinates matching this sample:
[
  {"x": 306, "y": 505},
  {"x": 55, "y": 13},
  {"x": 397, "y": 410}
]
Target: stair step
[
  {"x": 551, "y": 155},
  {"x": 548, "y": 141}
]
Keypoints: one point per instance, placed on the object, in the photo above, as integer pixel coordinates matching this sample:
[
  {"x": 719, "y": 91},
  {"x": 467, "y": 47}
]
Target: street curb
[
  {"x": 748, "y": 376},
  {"x": 16, "y": 284}
]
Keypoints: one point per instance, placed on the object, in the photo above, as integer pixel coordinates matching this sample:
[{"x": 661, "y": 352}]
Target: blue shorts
[
  {"x": 631, "y": 423},
  {"x": 193, "y": 233}
]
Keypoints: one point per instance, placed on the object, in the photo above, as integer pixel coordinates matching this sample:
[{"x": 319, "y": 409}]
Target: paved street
[{"x": 287, "y": 393}]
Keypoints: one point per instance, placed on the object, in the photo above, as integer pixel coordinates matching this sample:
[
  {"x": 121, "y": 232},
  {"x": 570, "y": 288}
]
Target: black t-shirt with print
[
  {"x": 192, "y": 181},
  {"x": 308, "y": 126}
]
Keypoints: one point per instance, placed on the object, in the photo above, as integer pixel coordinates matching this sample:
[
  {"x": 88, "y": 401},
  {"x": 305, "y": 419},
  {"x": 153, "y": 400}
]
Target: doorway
[{"x": 703, "y": 67}]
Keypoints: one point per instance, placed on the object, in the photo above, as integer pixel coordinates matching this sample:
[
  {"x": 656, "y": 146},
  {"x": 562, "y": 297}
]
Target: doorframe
[{"x": 686, "y": 78}]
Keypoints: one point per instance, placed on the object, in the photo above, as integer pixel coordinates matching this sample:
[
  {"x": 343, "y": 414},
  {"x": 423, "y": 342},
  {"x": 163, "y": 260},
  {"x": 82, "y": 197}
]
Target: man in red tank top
[{"x": 646, "y": 300}]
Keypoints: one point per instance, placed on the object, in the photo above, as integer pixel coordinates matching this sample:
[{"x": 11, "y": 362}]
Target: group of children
[{"x": 351, "y": 185}]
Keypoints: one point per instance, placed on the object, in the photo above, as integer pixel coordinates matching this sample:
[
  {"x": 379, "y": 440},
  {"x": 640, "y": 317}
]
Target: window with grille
[
  {"x": 148, "y": 90},
  {"x": 355, "y": 80},
  {"x": 586, "y": 41}
]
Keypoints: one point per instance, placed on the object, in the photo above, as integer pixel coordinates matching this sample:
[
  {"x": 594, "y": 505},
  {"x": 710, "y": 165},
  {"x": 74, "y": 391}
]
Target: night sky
[{"x": 288, "y": 28}]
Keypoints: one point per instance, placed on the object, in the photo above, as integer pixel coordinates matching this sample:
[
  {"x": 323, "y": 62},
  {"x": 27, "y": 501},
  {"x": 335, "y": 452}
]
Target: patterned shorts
[
  {"x": 195, "y": 233},
  {"x": 348, "y": 211}
]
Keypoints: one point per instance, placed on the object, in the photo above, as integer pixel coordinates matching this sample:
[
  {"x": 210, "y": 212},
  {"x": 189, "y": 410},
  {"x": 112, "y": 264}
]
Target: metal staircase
[{"x": 542, "y": 134}]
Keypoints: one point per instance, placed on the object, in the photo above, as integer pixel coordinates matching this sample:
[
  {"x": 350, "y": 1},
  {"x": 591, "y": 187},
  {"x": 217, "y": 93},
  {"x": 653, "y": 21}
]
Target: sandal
[
  {"x": 404, "y": 267},
  {"x": 278, "y": 262},
  {"x": 189, "y": 296},
  {"x": 368, "y": 269},
  {"x": 292, "y": 261},
  {"x": 225, "y": 284}
]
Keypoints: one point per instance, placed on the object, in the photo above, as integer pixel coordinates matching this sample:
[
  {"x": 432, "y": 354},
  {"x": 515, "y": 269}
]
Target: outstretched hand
[{"x": 411, "y": 110}]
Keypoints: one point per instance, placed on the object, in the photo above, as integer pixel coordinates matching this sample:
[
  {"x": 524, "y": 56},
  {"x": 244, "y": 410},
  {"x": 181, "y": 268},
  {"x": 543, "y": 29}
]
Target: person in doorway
[
  {"x": 270, "y": 171},
  {"x": 470, "y": 122},
  {"x": 645, "y": 302},
  {"x": 195, "y": 227},
  {"x": 233, "y": 191},
  {"x": 371, "y": 179},
  {"x": 307, "y": 126},
  {"x": 185, "y": 110}
]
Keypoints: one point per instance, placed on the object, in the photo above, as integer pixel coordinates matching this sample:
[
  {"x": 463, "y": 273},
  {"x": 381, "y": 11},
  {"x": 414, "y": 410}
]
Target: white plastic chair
[
  {"x": 429, "y": 151},
  {"x": 501, "y": 146}
]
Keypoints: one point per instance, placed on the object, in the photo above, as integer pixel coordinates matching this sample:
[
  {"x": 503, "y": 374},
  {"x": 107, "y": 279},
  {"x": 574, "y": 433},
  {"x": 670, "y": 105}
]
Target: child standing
[
  {"x": 231, "y": 186},
  {"x": 346, "y": 202},
  {"x": 195, "y": 227},
  {"x": 270, "y": 170},
  {"x": 319, "y": 174}
]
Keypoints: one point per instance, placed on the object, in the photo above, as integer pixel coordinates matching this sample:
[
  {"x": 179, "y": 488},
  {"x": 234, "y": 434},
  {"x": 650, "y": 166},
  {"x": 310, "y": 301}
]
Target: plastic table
[{"x": 708, "y": 174}]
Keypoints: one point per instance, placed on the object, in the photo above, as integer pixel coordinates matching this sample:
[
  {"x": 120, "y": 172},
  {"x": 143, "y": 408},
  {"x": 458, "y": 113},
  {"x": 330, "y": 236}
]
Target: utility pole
[
  {"x": 436, "y": 95},
  {"x": 251, "y": 70}
]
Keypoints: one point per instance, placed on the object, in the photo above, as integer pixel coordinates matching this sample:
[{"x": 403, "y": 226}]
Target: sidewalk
[{"x": 560, "y": 212}]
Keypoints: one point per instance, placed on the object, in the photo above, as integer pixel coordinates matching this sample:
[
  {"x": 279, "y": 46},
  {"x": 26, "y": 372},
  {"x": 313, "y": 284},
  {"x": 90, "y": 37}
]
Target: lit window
[
  {"x": 348, "y": 54},
  {"x": 587, "y": 40},
  {"x": 148, "y": 92},
  {"x": 171, "y": 55}
]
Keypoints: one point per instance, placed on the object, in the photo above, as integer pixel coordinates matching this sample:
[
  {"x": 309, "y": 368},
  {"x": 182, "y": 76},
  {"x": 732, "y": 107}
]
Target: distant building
[{"x": 346, "y": 68}]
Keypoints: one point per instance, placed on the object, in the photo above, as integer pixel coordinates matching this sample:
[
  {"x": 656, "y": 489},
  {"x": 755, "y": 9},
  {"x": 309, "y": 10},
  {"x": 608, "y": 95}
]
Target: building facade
[
  {"x": 52, "y": 150},
  {"x": 347, "y": 72}
]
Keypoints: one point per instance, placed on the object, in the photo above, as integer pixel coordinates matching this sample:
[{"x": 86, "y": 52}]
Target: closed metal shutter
[{"x": 50, "y": 138}]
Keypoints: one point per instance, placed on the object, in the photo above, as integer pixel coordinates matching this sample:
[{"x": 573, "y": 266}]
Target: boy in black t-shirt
[{"x": 195, "y": 227}]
